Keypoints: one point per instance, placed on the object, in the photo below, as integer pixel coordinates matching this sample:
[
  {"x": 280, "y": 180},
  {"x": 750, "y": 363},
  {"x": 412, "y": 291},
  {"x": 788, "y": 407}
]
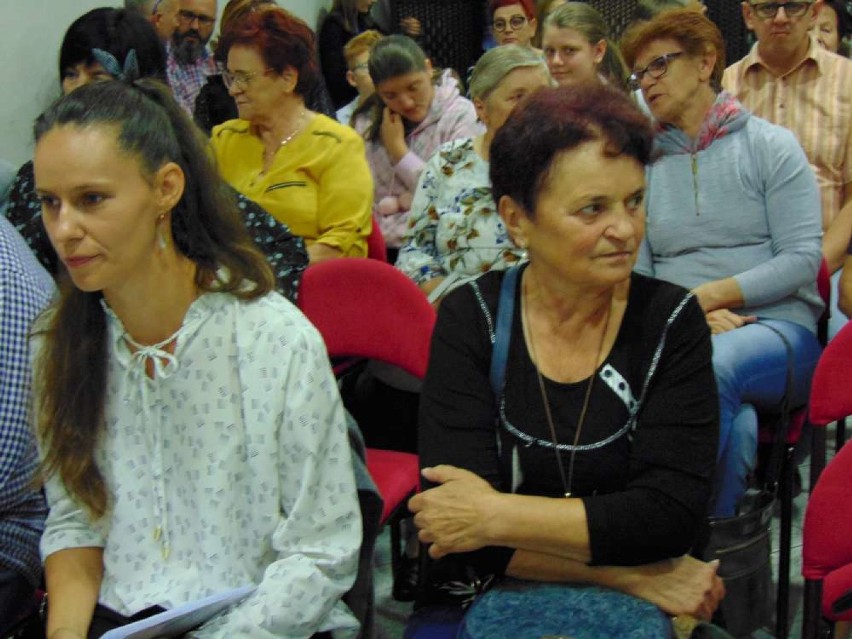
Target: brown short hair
[{"x": 691, "y": 30}]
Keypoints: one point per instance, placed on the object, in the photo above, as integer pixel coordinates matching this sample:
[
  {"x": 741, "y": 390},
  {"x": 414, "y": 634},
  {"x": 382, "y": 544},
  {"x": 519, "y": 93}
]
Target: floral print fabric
[{"x": 454, "y": 228}]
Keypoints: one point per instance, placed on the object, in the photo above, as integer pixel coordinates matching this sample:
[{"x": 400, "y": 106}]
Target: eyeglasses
[
  {"x": 155, "y": 7},
  {"x": 656, "y": 68},
  {"x": 516, "y": 22},
  {"x": 188, "y": 17},
  {"x": 240, "y": 79},
  {"x": 768, "y": 10}
]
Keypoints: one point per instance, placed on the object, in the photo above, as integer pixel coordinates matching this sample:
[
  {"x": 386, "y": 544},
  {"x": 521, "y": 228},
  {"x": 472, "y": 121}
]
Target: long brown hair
[{"x": 71, "y": 369}]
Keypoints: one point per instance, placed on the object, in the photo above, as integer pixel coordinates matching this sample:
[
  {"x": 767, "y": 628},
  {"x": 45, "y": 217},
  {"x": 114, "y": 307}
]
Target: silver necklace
[{"x": 567, "y": 482}]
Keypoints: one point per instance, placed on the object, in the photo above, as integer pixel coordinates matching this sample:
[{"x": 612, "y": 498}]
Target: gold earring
[{"x": 161, "y": 236}]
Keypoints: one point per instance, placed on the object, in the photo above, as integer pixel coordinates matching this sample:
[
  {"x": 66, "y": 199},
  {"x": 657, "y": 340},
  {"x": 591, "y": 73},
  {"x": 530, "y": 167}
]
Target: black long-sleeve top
[
  {"x": 650, "y": 435},
  {"x": 333, "y": 36}
]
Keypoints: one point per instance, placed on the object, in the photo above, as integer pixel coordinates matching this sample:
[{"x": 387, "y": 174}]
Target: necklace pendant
[{"x": 158, "y": 532}]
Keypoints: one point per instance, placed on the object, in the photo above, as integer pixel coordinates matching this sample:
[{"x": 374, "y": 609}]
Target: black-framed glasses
[
  {"x": 768, "y": 10},
  {"x": 656, "y": 68},
  {"x": 240, "y": 79},
  {"x": 516, "y": 22},
  {"x": 188, "y": 17}
]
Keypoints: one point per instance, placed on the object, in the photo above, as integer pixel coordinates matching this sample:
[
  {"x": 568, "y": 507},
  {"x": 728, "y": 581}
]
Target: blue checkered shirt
[
  {"x": 186, "y": 80},
  {"x": 25, "y": 290}
]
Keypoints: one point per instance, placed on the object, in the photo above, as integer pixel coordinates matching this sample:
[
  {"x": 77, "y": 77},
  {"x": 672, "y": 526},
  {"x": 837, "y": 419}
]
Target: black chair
[
  {"x": 617, "y": 14},
  {"x": 452, "y": 30},
  {"x": 728, "y": 16}
]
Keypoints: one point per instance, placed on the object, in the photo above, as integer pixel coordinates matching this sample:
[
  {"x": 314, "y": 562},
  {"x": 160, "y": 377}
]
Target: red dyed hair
[
  {"x": 526, "y": 5},
  {"x": 281, "y": 39}
]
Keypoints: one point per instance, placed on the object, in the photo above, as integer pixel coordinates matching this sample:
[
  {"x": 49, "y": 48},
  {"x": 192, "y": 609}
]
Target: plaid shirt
[
  {"x": 813, "y": 100},
  {"x": 186, "y": 80},
  {"x": 25, "y": 290}
]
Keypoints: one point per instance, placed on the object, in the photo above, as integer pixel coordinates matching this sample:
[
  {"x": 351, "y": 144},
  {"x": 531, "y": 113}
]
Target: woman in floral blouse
[{"x": 454, "y": 232}]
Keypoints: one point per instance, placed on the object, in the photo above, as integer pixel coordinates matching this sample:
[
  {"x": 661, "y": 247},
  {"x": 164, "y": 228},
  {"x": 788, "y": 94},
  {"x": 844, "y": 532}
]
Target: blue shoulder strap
[{"x": 502, "y": 333}]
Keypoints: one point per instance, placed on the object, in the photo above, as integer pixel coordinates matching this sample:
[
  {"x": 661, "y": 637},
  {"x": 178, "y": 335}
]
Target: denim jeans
[
  {"x": 750, "y": 364},
  {"x": 837, "y": 319}
]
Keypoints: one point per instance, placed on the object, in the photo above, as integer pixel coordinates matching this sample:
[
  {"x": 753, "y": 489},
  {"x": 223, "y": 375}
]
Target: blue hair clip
[{"x": 128, "y": 73}]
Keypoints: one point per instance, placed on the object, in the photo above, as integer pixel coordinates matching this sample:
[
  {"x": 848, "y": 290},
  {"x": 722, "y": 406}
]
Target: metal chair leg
[
  {"x": 782, "y": 602},
  {"x": 818, "y": 454}
]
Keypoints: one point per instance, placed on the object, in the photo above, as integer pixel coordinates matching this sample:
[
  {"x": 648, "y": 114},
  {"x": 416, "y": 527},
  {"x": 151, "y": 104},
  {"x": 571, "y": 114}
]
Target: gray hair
[{"x": 495, "y": 64}]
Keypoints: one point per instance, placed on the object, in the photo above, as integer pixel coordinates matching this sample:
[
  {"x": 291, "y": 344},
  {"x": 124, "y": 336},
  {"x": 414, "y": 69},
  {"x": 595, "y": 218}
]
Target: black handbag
[
  {"x": 742, "y": 543},
  {"x": 742, "y": 546}
]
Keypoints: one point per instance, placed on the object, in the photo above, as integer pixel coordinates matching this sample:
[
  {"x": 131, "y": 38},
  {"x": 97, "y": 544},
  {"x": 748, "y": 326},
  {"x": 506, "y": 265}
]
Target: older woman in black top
[{"x": 598, "y": 469}]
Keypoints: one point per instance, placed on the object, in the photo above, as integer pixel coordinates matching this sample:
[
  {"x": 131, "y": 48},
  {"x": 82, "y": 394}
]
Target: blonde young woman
[{"x": 577, "y": 47}]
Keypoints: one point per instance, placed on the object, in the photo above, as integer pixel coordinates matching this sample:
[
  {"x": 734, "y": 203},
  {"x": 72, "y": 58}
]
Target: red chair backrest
[
  {"x": 831, "y": 386},
  {"x": 376, "y": 247},
  {"x": 367, "y": 308},
  {"x": 827, "y": 532}
]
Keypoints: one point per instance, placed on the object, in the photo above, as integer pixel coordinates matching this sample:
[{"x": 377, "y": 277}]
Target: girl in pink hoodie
[{"x": 415, "y": 110}]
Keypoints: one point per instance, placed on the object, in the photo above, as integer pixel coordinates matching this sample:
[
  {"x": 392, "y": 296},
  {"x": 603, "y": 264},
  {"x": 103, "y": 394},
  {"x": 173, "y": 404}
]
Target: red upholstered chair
[
  {"x": 766, "y": 436},
  {"x": 827, "y": 533},
  {"x": 367, "y": 308},
  {"x": 376, "y": 248}
]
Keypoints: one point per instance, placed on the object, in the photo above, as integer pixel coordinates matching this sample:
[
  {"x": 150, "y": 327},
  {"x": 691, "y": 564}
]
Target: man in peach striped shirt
[{"x": 789, "y": 79}]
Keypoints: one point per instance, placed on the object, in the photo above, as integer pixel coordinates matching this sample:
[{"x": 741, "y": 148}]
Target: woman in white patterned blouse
[
  {"x": 192, "y": 435},
  {"x": 454, "y": 231}
]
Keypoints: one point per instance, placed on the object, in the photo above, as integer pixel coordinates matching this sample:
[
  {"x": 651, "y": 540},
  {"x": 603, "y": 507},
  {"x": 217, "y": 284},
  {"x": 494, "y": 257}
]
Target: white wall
[
  {"x": 307, "y": 10},
  {"x": 29, "y": 48}
]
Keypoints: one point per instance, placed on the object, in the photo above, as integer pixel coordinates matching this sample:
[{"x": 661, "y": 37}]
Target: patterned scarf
[{"x": 725, "y": 116}]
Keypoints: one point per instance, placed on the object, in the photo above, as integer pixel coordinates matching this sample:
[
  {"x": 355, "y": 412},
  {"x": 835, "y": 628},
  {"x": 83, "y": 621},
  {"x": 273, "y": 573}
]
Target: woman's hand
[
  {"x": 683, "y": 586},
  {"x": 452, "y": 517},
  {"x": 719, "y": 294},
  {"x": 410, "y": 26},
  {"x": 392, "y": 133},
  {"x": 723, "y": 320}
]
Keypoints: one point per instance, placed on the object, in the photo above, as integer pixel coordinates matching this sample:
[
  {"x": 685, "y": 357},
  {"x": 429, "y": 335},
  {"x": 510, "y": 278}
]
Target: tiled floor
[{"x": 391, "y": 615}]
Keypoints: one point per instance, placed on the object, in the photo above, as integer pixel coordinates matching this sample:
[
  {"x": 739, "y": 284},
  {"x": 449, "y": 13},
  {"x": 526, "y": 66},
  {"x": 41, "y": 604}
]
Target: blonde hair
[
  {"x": 360, "y": 44},
  {"x": 587, "y": 21}
]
